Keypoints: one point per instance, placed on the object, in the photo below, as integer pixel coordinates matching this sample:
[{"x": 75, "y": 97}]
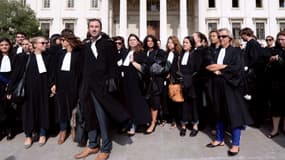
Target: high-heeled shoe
[
  {"x": 42, "y": 141},
  {"x": 28, "y": 143},
  {"x": 194, "y": 133},
  {"x": 211, "y": 145},
  {"x": 230, "y": 153},
  {"x": 150, "y": 131}
]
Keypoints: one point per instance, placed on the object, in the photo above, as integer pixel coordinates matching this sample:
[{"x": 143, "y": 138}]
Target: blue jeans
[
  {"x": 220, "y": 134},
  {"x": 42, "y": 133},
  {"x": 63, "y": 125}
]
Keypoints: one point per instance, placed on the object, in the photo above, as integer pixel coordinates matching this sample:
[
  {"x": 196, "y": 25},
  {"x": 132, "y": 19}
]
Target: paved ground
[{"x": 164, "y": 144}]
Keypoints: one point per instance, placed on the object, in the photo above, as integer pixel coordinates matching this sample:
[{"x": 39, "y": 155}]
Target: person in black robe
[
  {"x": 156, "y": 60},
  {"x": 132, "y": 67},
  {"x": 228, "y": 104},
  {"x": 66, "y": 82},
  {"x": 35, "y": 111},
  {"x": 254, "y": 71},
  {"x": 7, "y": 113},
  {"x": 275, "y": 69},
  {"x": 17, "y": 49},
  {"x": 98, "y": 76}
]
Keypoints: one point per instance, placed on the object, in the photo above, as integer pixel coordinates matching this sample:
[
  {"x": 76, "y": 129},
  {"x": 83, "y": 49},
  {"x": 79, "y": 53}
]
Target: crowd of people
[{"x": 85, "y": 88}]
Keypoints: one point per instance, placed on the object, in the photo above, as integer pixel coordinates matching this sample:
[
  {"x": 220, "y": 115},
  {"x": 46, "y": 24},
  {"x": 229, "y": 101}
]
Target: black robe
[
  {"x": 4, "y": 103},
  {"x": 67, "y": 85},
  {"x": 227, "y": 101},
  {"x": 132, "y": 91},
  {"x": 35, "y": 110},
  {"x": 96, "y": 72}
]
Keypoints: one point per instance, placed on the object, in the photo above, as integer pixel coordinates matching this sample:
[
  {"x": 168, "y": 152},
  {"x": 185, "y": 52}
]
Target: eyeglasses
[
  {"x": 43, "y": 43},
  {"x": 268, "y": 40},
  {"x": 223, "y": 36},
  {"x": 119, "y": 43}
]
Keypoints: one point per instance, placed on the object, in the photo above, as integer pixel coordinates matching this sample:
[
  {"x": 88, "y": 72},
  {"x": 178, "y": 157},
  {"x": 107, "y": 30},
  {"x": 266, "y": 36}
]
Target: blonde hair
[{"x": 34, "y": 40}]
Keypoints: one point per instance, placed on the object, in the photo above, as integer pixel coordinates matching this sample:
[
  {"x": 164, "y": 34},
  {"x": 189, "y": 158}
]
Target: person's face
[
  {"x": 26, "y": 46},
  {"x": 197, "y": 39},
  {"x": 170, "y": 44},
  {"x": 214, "y": 38},
  {"x": 19, "y": 39},
  {"x": 64, "y": 43},
  {"x": 150, "y": 43},
  {"x": 244, "y": 37},
  {"x": 94, "y": 29},
  {"x": 57, "y": 41},
  {"x": 269, "y": 41},
  {"x": 224, "y": 38},
  {"x": 133, "y": 42},
  {"x": 40, "y": 45},
  {"x": 4, "y": 47},
  {"x": 186, "y": 44},
  {"x": 158, "y": 44},
  {"x": 119, "y": 44},
  {"x": 281, "y": 41}
]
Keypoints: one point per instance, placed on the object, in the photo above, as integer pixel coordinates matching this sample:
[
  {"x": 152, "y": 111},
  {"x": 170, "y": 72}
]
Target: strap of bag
[{"x": 26, "y": 67}]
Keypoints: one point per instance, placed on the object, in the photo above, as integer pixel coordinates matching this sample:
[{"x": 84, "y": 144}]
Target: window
[
  {"x": 70, "y": 3},
  {"x": 258, "y": 3},
  {"x": 212, "y": 26},
  {"x": 282, "y": 3},
  {"x": 282, "y": 26},
  {"x": 94, "y": 3},
  {"x": 69, "y": 25},
  {"x": 212, "y": 4},
  {"x": 46, "y": 3},
  {"x": 23, "y": 2},
  {"x": 45, "y": 27},
  {"x": 236, "y": 29},
  {"x": 235, "y": 3},
  {"x": 260, "y": 30}
]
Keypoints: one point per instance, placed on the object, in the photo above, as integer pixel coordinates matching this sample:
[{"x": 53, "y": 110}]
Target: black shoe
[
  {"x": 150, "y": 132},
  {"x": 183, "y": 132},
  {"x": 194, "y": 133},
  {"x": 10, "y": 135},
  {"x": 230, "y": 153},
  {"x": 210, "y": 145},
  {"x": 272, "y": 135}
]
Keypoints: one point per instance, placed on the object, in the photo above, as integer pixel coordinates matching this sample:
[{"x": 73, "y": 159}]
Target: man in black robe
[{"x": 98, "y": 73}]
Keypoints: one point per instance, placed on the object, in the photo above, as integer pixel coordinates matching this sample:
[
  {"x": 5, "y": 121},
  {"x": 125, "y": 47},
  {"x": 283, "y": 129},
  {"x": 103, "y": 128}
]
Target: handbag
[
  {"x": 175, "y": 90},
  {"x": 19, "y": 91}
]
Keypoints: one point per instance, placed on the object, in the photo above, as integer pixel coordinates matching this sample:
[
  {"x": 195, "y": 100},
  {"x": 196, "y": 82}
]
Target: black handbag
[{"x": 19, "y": 91}]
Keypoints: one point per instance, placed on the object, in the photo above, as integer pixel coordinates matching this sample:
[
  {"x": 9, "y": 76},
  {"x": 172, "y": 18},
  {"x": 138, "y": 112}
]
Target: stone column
[
  {"x": 123, "y": 18},
  {"x": 143, "y": 19},
  {"x": 163, "y": 23},
  {"x": 183, "y": 19}
]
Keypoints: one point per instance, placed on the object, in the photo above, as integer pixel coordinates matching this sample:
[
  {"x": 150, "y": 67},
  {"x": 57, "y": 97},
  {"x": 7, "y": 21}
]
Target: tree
[{"x": 15, "y": 17}]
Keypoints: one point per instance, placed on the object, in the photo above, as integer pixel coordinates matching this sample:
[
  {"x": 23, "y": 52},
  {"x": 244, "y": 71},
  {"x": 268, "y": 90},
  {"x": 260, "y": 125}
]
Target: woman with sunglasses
[
  {"x": 35, "y": 110},
  {"x": 7, "y": 114},
  {"x": 66, "y": 82}
]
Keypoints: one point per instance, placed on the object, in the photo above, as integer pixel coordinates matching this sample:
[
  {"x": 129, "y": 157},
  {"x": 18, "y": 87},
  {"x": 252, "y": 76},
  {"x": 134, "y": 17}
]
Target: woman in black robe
[
  {"x": 66, "y": 82},
  {"x": 132, "y": 68},
  {"x": 228, "y": 104},
  {"x": 156, "y": 60},
  {"x": 35, "y": 111},
  {"x": 7, "y": 113}
]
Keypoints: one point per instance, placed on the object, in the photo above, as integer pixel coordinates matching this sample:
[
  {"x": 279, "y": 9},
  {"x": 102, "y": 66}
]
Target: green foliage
[{"x": 15, "y": 17}]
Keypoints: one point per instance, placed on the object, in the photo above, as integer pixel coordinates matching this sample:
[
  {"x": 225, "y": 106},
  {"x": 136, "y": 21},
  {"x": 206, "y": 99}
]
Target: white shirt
[
  {"x": 19, "y": 50},
  {"x": 147, "y": 54},
  {"x": 5, "y": 64},
  {"x": 185, "y": 58},
  {"x": 40, "y": 63},
  {"x": 93, "y": 47},
  {"x": 66, "y": 62},
  {"x": 221, "y": 56},
  {"x": 127, "y": 60},
  {"x": 170, "y": 57}
]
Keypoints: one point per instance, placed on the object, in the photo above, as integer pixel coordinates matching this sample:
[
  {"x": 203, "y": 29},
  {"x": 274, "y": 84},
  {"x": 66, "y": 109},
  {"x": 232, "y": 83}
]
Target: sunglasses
[
  {"x": 223, "y": 36},
  {"x": 268, "y": 40},
  {"x": 119, "y": 43},
  {"x": 43, "y": 43}
]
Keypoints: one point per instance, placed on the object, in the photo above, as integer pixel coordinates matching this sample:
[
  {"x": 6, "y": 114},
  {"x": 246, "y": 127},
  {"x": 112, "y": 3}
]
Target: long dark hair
[
  {"x": 74, "y": 41},
  {"x": 9, "y": 42},
  {"x": 139, "y": 47},
  {"x": 153, "y": 38}
]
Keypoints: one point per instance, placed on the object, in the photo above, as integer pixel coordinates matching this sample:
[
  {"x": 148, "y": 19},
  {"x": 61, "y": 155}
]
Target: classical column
[
  {"x": 105, "y": 17},
  {"x": 163, "y": 23},
  {"x": 143, "y": 19},
  {"x": 123, "y": 18},
  {"x": 183, "y": 19}
]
